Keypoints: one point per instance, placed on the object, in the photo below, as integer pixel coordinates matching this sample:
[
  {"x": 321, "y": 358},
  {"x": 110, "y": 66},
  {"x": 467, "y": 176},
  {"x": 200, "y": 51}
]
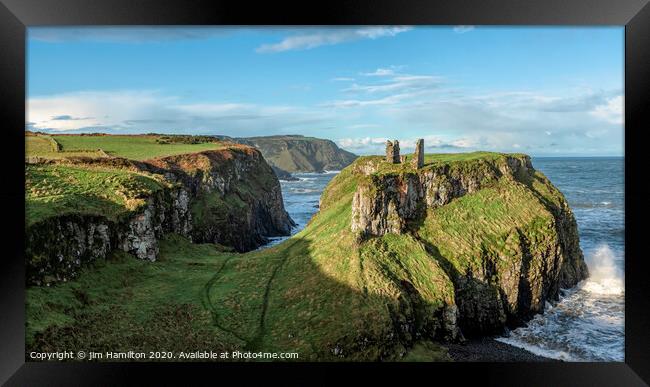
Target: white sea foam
[
  {"x": 304, "y": 190},
  {"x": 605, "y": 277},
  {"x": 587, "y": 323}
]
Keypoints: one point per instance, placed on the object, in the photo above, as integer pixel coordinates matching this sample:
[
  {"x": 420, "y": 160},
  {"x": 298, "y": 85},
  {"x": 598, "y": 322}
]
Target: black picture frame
[{"x": 17, "y": 15}]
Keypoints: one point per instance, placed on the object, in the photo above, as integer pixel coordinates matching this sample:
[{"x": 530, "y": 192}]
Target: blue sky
[{"x": 542, "y": 91}]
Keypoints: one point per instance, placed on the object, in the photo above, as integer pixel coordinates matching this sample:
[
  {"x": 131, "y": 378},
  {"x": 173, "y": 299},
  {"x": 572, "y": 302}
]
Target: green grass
[
  {"x": 319, "y": 292},
  {"x": 47, "y": 147},
  {"x": 35, "y": 145},
  {"x": 126, "y": 304},
  {"x": 131, "y": 147},
  {"x": 471, "y": 161},
  {"x": 487, "y": 219},
  {"x": 55, "y": 190}
]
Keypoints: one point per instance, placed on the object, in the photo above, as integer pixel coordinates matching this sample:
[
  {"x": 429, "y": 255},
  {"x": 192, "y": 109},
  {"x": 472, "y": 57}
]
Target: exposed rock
[
  {"x": 239, "y": 176},
  {"x": 57, "y": 247},
  {"x": 496, "y": 294},
  {"x": 387, "y": 202}
]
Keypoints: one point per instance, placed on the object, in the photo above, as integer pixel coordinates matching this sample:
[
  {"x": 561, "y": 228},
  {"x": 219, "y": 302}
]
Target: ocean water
[
  {"x": 587, "y": 324},
  {"x": 301, "y": 199}
]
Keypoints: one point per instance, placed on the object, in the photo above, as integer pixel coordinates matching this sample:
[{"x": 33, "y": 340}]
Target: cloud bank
[{"x": 380, "y": 104}]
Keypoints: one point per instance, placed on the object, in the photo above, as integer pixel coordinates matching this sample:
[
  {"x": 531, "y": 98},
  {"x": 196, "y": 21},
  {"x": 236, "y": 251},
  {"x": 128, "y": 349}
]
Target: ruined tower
[
  {"x": 392, "y": 152},
  {"x": 418, "y": 156}
]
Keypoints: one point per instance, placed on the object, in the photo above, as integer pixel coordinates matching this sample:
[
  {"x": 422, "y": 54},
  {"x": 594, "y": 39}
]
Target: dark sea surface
[{"x": 587, "y": 324}]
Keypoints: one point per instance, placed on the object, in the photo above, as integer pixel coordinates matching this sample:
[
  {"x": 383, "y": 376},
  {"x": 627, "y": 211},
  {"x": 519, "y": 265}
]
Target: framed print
[{"x": 382, "y": 188}]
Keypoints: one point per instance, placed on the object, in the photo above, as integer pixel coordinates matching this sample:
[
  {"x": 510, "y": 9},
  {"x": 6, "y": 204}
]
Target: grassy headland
[{"x": 323, "y": 293}]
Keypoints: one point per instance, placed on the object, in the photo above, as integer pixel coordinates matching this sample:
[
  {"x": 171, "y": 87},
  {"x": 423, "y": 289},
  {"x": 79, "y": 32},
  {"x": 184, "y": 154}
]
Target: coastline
[{"x": 488, "y": 349}]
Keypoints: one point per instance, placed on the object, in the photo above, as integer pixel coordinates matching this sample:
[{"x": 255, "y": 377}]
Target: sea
[
  {"x": 587, "y": 323},
  {"x": 301, "y": 199}
]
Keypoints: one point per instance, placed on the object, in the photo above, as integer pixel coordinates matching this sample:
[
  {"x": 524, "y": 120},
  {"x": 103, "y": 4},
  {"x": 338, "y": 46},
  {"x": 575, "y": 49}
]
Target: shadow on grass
[{"x": 282, "y": 303}]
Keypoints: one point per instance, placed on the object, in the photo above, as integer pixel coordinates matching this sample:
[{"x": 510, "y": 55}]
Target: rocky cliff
[
  {"x": 300, "y": 154},
  {"x": 387, "y": 201},
  {"x": 236, "y": 198},
  {"x": 229, "y": 196},
  {"x": 468, "y": 244},
  {"x": 502, "y": 278}
]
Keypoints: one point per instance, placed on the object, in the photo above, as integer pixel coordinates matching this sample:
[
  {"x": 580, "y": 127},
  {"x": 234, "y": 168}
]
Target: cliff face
[
  {"x": 57, "y": 247},
  {"x": 236, "y": 198},
  {"x": 228, "y": 196},
  {"x": 387, "y": 202},
  {"x": 301, "y": 154},
  {"x": 503, "y": 270}
]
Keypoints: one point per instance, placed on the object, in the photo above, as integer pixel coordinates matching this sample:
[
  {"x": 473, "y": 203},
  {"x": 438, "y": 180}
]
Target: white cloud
[
  {"x": 398, "y": 84},
  {"x": 380, "y": 73},
  {"x": 110, "y": 109},
  {"x": 360, "y": 143},
  {"x": 387, "y": 90},
  {"x": 518, "y": 121},
  {"x": 376, "y": 145},
  {"x": 306, "y": 40},
  {"x": 151, "y": 111},
  {"x": 448, "y": 119},
  {"x": 343, "y": 79},
  {"x": 352, "y": 103},
  {"x": 611, "y": 111},
  {"x": 463, "y": 29}
]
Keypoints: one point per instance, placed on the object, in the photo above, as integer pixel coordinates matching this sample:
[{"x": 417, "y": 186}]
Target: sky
[{"x": 548, "y": 91}]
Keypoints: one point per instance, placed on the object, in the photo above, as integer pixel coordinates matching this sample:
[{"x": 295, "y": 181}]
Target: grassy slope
[
  {"x": 128, "y": 304},
  {"x": 54, "y": 190},
  {"x": 130, "y": 147},
  {"x": 315, "y": 291}
]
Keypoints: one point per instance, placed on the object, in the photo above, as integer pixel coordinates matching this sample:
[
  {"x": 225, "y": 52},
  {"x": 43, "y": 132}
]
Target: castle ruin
[
  {"x": 393, "y": 156},
  {"x": 392, "y": 152},
  {"x": 418, "y": 156}
]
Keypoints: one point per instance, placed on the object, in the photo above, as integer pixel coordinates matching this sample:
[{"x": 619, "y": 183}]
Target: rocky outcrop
[
  {"x": 228, "y": 196},
  {"x": 387, "y": 202},
  {"x": 58, "y": 247},
  {"x": 236, "y": 198},
  {"x": 507, "y": 286}
]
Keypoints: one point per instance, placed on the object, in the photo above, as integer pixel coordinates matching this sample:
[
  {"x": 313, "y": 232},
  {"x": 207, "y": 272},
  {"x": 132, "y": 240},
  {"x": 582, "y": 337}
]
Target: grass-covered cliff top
[
  {"x": 135, "y": 147},
  {"x": 321, "y": 293},
  {"x": 111, "y": 189},
  {"x": 436, "y": 160},
  {"x": 57, "y": 190}
]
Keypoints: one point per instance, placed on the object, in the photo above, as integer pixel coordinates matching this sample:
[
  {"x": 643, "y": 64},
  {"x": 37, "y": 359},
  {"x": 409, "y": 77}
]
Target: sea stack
[{"x": 418, "y": 156}]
